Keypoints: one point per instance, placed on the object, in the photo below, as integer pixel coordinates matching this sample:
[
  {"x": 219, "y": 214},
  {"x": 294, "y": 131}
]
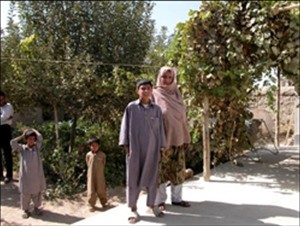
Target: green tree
[
  {"x": 9, "y": 50},
  {"x": 220, "y": 53},
  {"x": 157, "y": 55},
  {"x": 72, "y": 50},
  {"x": 284, "y": 26},
  {"x": 81, "y": 59}
]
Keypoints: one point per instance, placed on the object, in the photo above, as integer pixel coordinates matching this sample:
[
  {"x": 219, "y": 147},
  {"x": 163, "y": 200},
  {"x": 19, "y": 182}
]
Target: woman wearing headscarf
[{"x": 172, "y": 167}]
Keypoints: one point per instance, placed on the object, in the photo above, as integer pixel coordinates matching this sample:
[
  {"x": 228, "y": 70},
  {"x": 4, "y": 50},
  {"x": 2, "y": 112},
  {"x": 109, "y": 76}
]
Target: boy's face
[
  {"x": 30, "y": 141},
  {"x": 145, "y": 92},
  {"x": 2, "y": 100},
  {"x": 94, "y": 146}
]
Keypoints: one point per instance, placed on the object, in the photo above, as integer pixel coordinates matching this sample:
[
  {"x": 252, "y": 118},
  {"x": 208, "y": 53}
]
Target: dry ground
[{"x": 57, "y": 212}]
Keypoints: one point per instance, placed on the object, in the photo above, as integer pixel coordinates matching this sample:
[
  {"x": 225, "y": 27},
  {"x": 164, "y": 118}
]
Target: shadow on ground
[
  {"x": 219, "y": 213},
  {"x": 10, "y": 195},
  {"x": 282, "y": 169},
  {"x": 5, "y": 223},
  {"x": 57, "y": 218}
]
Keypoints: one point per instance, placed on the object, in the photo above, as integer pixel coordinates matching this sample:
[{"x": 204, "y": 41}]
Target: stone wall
[{"x": 261, "y": 110}]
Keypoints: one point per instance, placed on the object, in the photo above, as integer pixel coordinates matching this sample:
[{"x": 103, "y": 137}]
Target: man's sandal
[
  {"x": 133, "y": 217},
  {"x": 182, "y": 204},
  {"x": 157, "y": 212}
]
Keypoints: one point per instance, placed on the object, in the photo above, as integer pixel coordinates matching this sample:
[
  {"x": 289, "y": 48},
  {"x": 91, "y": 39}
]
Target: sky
[
  {"x": 165, "y": 13},
  {"x": 169, "y": 13}
]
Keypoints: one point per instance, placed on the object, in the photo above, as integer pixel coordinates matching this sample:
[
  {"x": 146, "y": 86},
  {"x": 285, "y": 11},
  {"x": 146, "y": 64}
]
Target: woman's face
[{"x": 167, "y": 78}]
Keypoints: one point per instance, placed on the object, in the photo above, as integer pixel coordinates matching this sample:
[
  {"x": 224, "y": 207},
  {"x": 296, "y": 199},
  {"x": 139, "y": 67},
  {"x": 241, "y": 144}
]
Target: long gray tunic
[
  {"x": 142, "y": 130},
  {"x": 32, "y": 179}
]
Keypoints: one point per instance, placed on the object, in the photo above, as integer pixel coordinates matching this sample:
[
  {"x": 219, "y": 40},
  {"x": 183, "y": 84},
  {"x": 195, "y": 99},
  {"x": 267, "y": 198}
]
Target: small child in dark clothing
[{"x": 96, "y": 185}]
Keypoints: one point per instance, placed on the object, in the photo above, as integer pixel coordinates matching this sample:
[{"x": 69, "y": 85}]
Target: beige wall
[{"x": 261, "y": 110}]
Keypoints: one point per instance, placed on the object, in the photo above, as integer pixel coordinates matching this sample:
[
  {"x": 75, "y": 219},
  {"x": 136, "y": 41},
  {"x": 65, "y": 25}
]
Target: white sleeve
[
  {"x": 39, "y": 141},
  {"x": 7, "y": 112},
  {"x": 15, "y": 145}
]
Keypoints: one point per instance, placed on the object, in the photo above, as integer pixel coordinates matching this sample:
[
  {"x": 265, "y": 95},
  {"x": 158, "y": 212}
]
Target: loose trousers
[
  {"x": 5, "y": 137},
  {"x": 132, "y": 195},
  {"x": 92, "y": 198},
  {"x": 176, "y": 193},
  {"x": 26, "y": 198}
]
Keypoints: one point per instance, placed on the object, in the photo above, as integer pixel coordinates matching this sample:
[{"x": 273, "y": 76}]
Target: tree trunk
[
  {"x": 73, "y": 130},
  {"x": 56, "y": 125},
  {"x": 277, "y": 124},
  {"x": 206, "y": 144}
]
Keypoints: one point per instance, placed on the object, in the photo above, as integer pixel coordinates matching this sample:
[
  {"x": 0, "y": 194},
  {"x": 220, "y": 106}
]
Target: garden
[{"x": 79, "y": 60}]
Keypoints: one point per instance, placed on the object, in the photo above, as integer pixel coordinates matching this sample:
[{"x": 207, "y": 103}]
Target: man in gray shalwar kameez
[{"x": 143, "y": 136}]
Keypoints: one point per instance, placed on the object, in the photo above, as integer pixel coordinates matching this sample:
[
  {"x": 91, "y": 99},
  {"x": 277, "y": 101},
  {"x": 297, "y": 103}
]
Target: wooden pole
[
  {"x": 277, "y": 10},
  {"x": 56, "y": 125},
  {"x": 206, "y": 143},
  {"x": 277, "y": 122},
  {"x": 290, "y": 7}
]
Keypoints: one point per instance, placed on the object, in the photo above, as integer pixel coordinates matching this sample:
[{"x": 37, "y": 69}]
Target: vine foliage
[{"x": 221, "y": 53}]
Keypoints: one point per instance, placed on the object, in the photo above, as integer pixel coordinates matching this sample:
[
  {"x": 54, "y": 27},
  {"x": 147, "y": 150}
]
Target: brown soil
[{"x": 56, "y": 212}]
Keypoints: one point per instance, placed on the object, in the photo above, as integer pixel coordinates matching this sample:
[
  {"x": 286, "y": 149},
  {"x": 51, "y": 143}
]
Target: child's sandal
[
  {"x": 162, "y": 206},
  {"x": 37, "y": 211},
  {"x": 26, "y": 214}
]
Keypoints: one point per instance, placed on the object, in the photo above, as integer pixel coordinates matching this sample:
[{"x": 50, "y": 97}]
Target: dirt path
[{"x": 58, "y": 212}]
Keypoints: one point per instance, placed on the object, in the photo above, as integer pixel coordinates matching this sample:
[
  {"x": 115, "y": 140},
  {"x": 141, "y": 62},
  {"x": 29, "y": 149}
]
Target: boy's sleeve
[
  {"x": 87, "y": 159},
  {"x": 15, "y": 145},
  {"x": 104, "y": 159},
  {"x": 123, "y": 137},
  {"x": 162, "y": 132},
  {"x": 39, "y": 141}
]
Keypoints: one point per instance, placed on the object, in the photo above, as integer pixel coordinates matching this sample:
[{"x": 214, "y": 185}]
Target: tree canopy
[
  {"x": 70, "y": 50},
  {"x": 221, "y": 53}
]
